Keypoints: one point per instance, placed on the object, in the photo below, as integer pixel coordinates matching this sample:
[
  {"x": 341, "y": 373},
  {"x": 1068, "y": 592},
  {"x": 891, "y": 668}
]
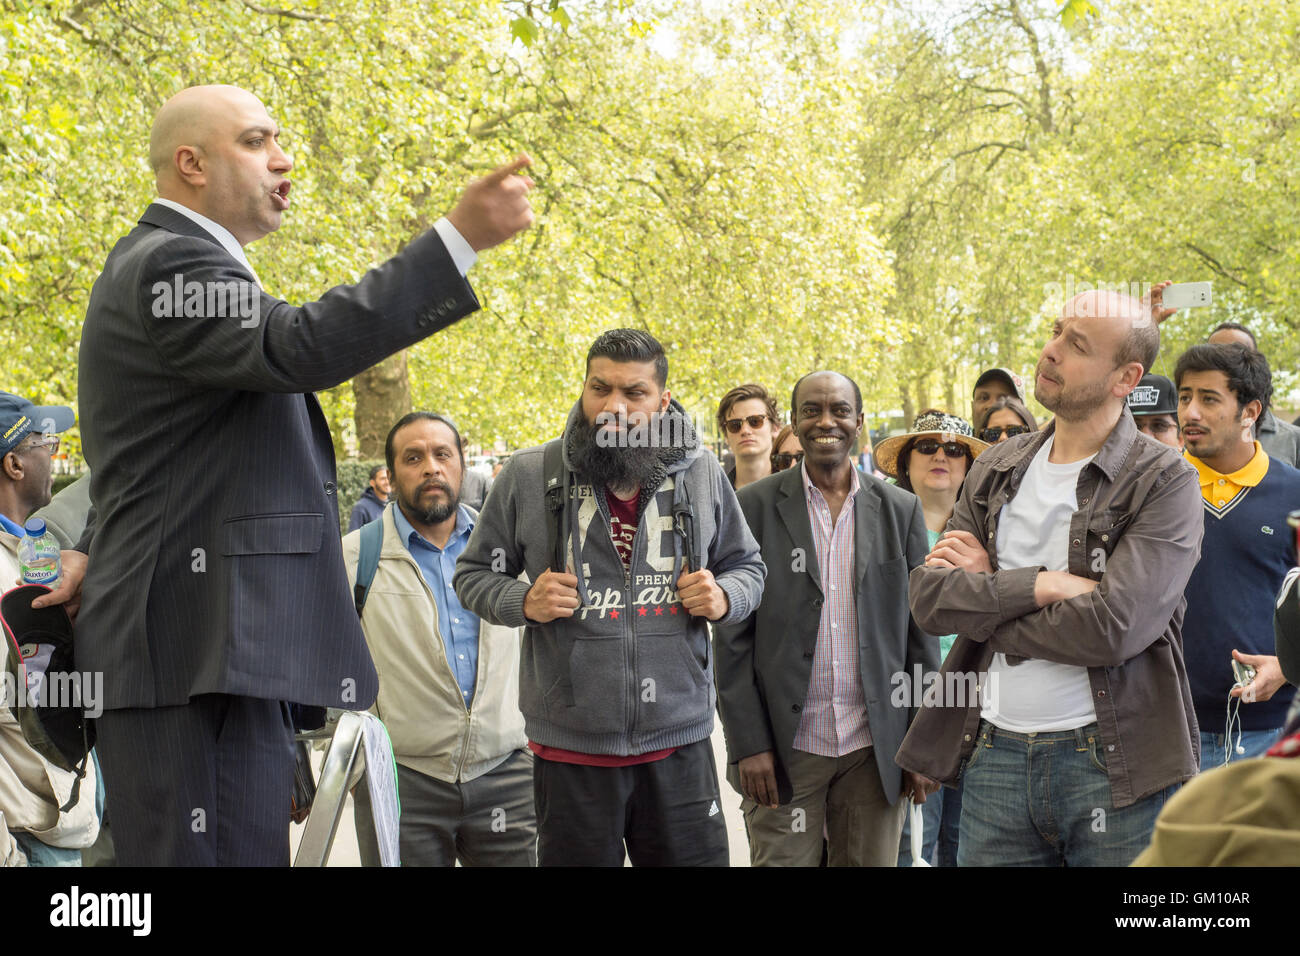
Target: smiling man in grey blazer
[
  {"x": 807, "y": 684},
  {"x": 215, "y": 592}
]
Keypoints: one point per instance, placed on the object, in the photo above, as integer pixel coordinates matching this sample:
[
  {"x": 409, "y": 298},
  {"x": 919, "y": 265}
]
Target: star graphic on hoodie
[
  {"x": 640, "y": 611},
  {"x": 659, "y": 612},
  {"x": 614, "y": 615}
]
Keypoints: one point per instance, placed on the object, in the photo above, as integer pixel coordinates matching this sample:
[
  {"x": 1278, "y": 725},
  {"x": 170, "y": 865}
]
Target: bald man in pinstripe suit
[{"x": 215, "y": 592}]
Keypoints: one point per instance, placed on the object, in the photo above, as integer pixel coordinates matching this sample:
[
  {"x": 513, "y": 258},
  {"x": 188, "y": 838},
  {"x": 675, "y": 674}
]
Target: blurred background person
[
  {"x": 1004, "y": 418},
  {"x": 931, "y": 461},
  {"x": 748, "y": 421},
  {"x": 371, "y": 503},
  {"x": 994, "y": 383},
  {"x": 1154, "y": 404},
  {"x": 786, "y": 450}
]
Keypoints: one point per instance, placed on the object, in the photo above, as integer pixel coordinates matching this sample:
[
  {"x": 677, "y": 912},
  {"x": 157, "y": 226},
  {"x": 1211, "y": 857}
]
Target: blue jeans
[
  {"x": 941, "y": 814},
  {"x": 1253, "y": 742},
  {"x": 1043, "y": 799}
]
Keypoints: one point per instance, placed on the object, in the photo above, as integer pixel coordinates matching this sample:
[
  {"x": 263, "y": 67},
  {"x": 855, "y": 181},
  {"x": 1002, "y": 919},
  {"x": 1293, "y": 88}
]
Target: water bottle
[{"x": 38, "y": 555}]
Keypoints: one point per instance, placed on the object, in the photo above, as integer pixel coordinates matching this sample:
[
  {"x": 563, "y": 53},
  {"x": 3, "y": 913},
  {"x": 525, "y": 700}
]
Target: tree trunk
[
  {"x": 383, "y": 395},
  {"x": 909, "y": 409}
]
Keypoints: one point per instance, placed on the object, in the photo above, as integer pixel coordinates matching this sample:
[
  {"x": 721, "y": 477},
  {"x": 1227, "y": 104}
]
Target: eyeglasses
[
  {"x": 784, "y": 459},
  {"x": 753, "y": 421},
  {"x": 49, "y": 440},
  {"x": 991, "y": 435},
  {"x": 928, "y": 446}
]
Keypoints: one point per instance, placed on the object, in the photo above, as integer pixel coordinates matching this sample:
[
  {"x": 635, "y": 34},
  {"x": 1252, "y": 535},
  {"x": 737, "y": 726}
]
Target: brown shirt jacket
[{"x": 1137, "y": 532}]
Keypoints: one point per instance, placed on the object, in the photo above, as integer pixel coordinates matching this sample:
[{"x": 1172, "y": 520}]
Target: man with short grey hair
[{"x": 1062, "y": 572}]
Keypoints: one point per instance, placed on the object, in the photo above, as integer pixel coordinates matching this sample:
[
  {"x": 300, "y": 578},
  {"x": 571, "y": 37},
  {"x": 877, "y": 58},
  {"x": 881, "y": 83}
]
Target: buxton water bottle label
[{"x": 41, "y": 571}]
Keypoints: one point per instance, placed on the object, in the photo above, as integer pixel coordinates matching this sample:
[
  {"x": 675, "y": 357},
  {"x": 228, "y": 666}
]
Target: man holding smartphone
[{"x": 1246, "y": 494}]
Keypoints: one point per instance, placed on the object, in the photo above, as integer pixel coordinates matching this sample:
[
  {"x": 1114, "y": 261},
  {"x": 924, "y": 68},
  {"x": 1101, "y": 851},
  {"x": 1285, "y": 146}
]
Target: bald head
[
  {"x": 216, "y": 150},
  {"x": 830, "y": 376},
  {"x": 1129, "y": 319},
  {"x": 192, "y": 118}
]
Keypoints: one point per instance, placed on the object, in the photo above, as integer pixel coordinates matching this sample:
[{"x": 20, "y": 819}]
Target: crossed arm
[{"x": 1056, "y": 616}]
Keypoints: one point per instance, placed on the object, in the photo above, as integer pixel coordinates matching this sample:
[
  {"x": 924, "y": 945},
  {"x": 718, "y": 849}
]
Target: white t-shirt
[{"x": 1034, "y": 529}]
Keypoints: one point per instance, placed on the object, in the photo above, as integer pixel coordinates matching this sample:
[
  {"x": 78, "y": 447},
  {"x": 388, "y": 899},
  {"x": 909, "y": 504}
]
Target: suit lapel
[
  {"x": 866, "y": 508},
  {"x": 164, "y": 217},
  {"x": 793, "y": 509}
]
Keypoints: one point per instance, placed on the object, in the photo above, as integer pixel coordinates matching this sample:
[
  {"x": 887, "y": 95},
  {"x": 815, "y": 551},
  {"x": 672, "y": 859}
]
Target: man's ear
[
  {"x": 12, "y": 466},
  {"x": 190, "y": 165},
  {"x": 664, "y": 399},
  {"x": 1130, "y": 375},
  {"x": 1251, "y": 413}
]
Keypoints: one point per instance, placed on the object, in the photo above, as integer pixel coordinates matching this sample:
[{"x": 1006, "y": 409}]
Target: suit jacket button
[
  {"x": 807, "y": 655},
  {"x": 795, "y": 708},
  {"x": 329, "y": 487}
]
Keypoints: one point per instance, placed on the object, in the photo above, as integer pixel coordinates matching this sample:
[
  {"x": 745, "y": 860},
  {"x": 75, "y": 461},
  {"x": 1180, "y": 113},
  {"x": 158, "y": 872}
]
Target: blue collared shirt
[{"x": 459, "y": 627}]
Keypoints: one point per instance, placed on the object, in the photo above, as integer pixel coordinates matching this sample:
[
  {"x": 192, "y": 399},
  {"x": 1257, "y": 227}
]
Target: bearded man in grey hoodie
[{"x": 616, "y": 675}]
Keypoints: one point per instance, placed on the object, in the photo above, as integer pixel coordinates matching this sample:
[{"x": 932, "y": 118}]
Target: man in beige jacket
[
  {"x": 32, "y": 828},
  {"x": 448, "y": 681}
]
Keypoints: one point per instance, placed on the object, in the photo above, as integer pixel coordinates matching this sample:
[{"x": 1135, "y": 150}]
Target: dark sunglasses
[
  {"x": 991, "y": 435},
  {"x": 754, "y": 421},
  {"x": 783, "y": 460},
  {"x": 928, "y": 446}
]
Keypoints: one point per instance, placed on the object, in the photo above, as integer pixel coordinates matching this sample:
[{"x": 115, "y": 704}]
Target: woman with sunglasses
[
  {"x": 1006, "y": 418},
  {"x": 931, "y": 461},
  {"x": 786, "y": 450}
]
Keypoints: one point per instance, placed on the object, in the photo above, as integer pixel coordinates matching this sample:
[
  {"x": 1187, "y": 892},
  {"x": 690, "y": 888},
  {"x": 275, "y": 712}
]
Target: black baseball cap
[
  {"x": 1154, "y": 395},
  {"x": 1014, "y": 381},
  {"x": 19, "y": 416}
]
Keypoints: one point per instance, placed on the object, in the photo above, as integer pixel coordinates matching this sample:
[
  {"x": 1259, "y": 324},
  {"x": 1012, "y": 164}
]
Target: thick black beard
[
  {"x": 610, "y": 465},
  {"x": 436, "y": 514}
]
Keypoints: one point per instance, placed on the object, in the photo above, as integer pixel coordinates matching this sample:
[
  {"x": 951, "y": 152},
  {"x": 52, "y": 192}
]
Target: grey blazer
[
  {"x": 215, "y": 558},
  {"x": 764, "y": 663}
]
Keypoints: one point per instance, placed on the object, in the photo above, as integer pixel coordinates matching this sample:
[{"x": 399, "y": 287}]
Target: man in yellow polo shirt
[{"x": 1246, "y": 552}]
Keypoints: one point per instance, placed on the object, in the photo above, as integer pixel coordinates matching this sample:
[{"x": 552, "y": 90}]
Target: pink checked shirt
[{"x": 834, "y": 716}]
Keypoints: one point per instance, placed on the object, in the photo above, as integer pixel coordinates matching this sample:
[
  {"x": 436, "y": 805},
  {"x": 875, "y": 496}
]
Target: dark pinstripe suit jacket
[{"x": 215, "y": 559}]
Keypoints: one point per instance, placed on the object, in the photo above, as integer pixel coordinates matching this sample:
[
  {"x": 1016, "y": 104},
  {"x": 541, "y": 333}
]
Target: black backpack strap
[
  {"x": 557, "y": 489},
  {"x": 685, "y": 525},
  {"x": 372, "y": 542}
]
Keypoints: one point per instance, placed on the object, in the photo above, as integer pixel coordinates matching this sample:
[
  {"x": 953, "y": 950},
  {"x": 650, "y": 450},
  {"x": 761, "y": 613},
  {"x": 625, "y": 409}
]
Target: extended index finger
[{"x": 522, "y": 161}]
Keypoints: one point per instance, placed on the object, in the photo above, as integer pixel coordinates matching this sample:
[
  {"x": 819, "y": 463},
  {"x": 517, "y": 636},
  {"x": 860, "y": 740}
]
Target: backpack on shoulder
[{"x": 42, "y": 687}]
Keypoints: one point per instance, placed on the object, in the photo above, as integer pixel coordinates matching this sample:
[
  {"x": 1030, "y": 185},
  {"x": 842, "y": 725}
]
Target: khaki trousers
[{"x": 840, "y": 796}]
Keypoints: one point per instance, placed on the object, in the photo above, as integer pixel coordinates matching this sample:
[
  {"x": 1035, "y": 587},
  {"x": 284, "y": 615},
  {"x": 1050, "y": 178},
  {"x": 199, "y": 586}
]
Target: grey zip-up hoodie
[{"x": 631, "y": 671}]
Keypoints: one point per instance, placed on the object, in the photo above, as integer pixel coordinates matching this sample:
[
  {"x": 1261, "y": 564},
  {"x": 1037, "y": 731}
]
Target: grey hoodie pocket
[
  {"x": 588, "y": 695},
  {"x": 672, "y": 679}
]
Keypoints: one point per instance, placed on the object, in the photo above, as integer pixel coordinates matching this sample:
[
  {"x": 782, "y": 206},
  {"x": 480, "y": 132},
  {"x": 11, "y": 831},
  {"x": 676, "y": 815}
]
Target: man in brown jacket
[{"x": 1062, "y": 571}]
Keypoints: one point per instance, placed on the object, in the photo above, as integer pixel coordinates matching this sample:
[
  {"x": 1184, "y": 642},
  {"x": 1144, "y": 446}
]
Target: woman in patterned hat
[{"x": 931, "y": 461}]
